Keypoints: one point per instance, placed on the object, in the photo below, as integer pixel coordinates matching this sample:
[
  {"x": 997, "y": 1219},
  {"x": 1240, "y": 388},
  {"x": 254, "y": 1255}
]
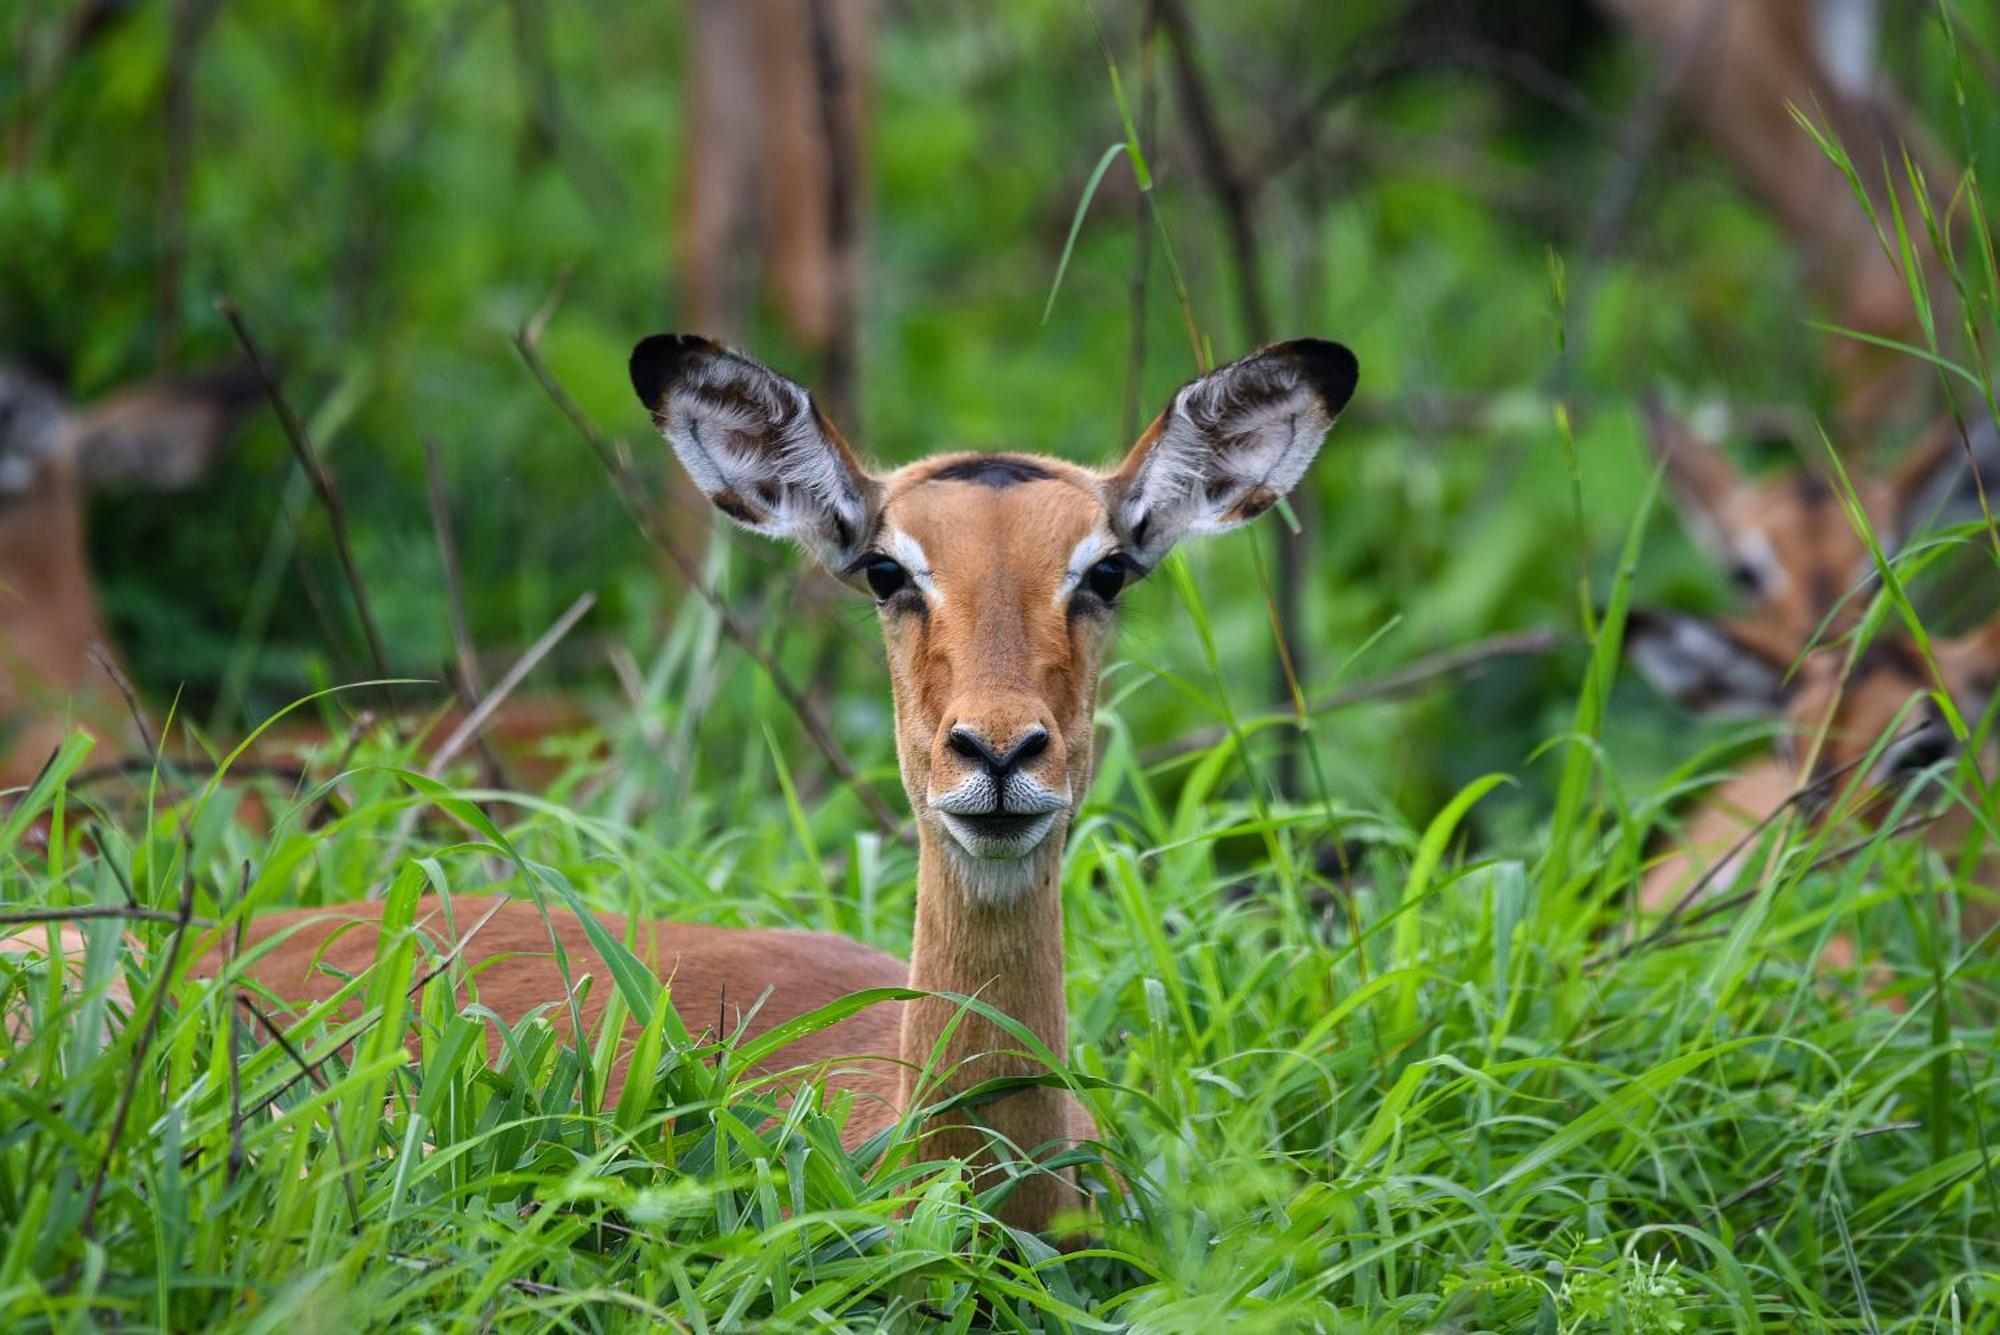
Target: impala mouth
[{"x": 999, "y": 834}]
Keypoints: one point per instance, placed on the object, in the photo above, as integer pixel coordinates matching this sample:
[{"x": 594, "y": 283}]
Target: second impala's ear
[
  {"x": 1708, "y": 666},
  {"x": 1699, "y": 475},
  {"x": 163, "y": 435},
  {"x": 1229, "y": 445},
  {"x": 756, "y": 445}
]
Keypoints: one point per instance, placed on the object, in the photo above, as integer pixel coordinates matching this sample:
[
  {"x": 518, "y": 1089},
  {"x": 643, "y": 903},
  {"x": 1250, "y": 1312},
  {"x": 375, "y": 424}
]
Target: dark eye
[
  {"x": 886, "y": 578},
  {"x": 1107, "y": 577},
  {"x": 1745, "y": 576}
]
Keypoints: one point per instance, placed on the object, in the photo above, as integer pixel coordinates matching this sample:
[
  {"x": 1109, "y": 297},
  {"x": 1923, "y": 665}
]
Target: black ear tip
[
  {"x": 1329, "y": 367},
  {"x": 660, "y": 360}
]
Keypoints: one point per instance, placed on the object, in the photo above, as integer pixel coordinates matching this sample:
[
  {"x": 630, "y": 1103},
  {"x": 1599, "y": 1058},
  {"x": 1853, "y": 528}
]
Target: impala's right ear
[
  {"x": 1699, "y": 475},
  {"x": 757, "y": 445},
  {"x": 1708, "y": 666}
]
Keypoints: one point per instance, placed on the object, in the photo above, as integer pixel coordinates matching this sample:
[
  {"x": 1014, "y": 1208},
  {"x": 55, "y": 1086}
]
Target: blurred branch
[
  {"x": 526, "y": 342},
  {"x": 469, "y": 685},
  {"x": 1297, "y": 136},
  {"x": 187, "y": 23},
  {"x": 1142, "y": 231},
  {"x": 1234, "y": 192},
  {"x": 1235, "y": 197},
  {"x": 322, "y": 483},
  {"x": 94, "y": 913},
  {"x": 839, "y": 375},
  {"x": 1463, "y": 661}
]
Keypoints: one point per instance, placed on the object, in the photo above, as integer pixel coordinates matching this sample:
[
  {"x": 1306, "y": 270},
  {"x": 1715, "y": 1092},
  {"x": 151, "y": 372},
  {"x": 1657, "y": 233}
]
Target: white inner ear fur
[
  {"x": 771, "y": 442},
  {"x": 909, "y": 554},
  {"x": 1088, "y": 553},
  {"x": 1754, "y": 549},
  {"x": 1252, "y": 426}
]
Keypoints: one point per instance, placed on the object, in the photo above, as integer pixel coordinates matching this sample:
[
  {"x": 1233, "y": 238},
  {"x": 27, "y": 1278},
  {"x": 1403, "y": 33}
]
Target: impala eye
[
  {"x": 1745, "y": 576},
  {"x": 886, "y": 578},
  {"x": 1107, "y": 577}
]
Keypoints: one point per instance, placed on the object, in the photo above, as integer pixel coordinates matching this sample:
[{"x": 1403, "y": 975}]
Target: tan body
[
  {"x": 720, "y": 979},
  {"x": 1707, "y": 843},
  {"x": 1857, "y": 732}
]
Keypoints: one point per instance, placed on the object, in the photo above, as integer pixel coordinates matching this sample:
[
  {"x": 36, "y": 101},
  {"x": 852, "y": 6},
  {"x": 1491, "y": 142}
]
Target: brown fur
[
  {"x": 1711, "y": 833},
  {"x": 49, "y": 621},
  {"x": 1003, "y": 655},
  {"x": 718, "y": 979}
]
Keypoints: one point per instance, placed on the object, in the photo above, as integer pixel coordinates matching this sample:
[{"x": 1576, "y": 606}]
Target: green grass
[{"x": 1427, "y": 1094}]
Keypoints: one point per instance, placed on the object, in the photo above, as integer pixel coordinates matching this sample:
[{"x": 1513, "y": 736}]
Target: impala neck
[
  {"x": 48, "y": 610},
  {"x": 1009, "y": 955}
]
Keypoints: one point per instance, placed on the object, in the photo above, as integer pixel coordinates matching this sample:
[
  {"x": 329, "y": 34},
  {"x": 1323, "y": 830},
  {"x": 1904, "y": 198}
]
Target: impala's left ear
[
  {"x": 1229, "y": 445},
  {"x": 757, "y": 445}
]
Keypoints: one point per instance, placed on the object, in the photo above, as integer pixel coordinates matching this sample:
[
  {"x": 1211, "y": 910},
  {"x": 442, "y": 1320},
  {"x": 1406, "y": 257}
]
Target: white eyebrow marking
[
  {"x": 1095, "y": 543},
  {"x": 909, "y": 554}
]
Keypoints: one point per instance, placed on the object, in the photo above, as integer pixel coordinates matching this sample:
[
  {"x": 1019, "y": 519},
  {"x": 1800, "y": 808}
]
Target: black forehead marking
[{"x": 997, "y": 471}]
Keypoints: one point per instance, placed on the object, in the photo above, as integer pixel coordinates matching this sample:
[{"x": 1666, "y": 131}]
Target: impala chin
[
  {"x": 994, "y": 830},
  {"x": 998, "y": 838}
]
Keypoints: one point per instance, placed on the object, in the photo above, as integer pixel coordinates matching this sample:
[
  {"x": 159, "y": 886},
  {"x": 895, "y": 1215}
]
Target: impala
[
  {"x": 1854, "y": 735},
  {"x": 997, "y": 578},
  {"x": 52, "y": 638},
  {"x": 1796, "y": 560},
  {"x": 1791, "y": 551}
]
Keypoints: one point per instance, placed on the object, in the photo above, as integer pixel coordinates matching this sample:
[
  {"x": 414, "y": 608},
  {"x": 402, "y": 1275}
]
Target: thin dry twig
[
  {"x": 1777, "y": 1175},
  {"x": 94, "y": 913},
  {"x": 156, "y": 1004},
  {"x": 322, "y": 484},
  {"x": 454, "y": 578},
  {"x": 466, "y": 683},
  {"x": 632, "y": 494},
  {"x": 310, "y": 1070},
  {"x": 1672, "y": 920},
  {"x": 843, "y": 212},
  {"x": 473, "y": 723}
]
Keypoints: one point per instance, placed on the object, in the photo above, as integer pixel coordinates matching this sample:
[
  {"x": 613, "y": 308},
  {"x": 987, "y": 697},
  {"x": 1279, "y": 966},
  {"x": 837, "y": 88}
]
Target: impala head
[
  {"x": 997, "y": 576},
  {"x": 1881, "y": 718},
  {"x": 1785, "y": 539},
  {"x": 156, "y": 435}
]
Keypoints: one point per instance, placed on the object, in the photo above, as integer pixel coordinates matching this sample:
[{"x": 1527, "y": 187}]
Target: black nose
[{"x": 972, "y": 746}]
